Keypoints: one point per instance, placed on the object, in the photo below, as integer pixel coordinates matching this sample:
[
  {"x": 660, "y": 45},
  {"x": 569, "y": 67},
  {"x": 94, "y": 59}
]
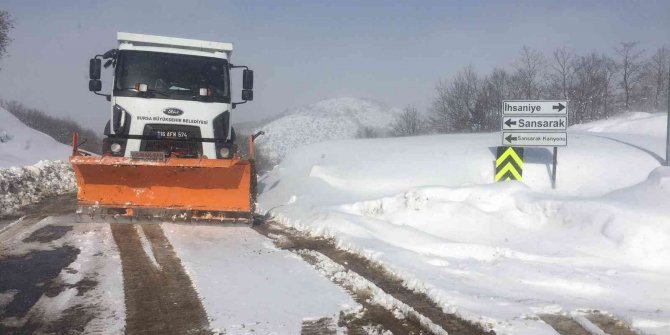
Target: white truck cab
[{"x": 169, "y": 95}]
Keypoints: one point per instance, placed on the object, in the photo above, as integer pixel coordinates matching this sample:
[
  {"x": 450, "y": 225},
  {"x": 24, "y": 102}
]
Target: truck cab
[{"x": 169, "y": 96}]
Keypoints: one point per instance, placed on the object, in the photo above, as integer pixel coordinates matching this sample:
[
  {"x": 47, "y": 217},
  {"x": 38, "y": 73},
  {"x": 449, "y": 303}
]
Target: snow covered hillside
[
  {"x": 331, "y": 119},
  {"x": 638, "y": 123},
  {"x": 498, "y": 253},
  {"x": 21, "y": 145}
]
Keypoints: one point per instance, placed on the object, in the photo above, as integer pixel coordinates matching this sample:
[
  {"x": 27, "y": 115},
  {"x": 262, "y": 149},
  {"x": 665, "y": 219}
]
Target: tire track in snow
[
  {"x": 158, "y": 300},
  {"x": 564, "y": 324},
  {"x": 290, "y": 239},
  {"x": 587, "y": 323},
  {"x": 609, "y": 324}
]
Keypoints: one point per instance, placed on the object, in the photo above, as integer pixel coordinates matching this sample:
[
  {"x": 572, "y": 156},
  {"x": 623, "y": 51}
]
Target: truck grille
[{"x": 172, "y": 139}]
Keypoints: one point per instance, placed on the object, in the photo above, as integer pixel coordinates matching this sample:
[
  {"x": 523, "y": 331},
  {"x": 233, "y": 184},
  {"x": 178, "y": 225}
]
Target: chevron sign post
[{"x": 509, "y": 164}]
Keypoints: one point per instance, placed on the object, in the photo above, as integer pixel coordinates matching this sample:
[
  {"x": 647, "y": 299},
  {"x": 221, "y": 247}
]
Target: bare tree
[
  {"x": 562, "y": 70},
  {"x": 439, "y": 119},
  {"x": 631, "y": 69},
  {"x": 590, "y": 88},
  {"x": 530, "y": 68},
  {"x": 454, "y": 108},
  {"x": 611, "y": 70},
  {"x": 6, "y": 24},
  {"x": 657, "y": 74},
  {"x": 493, "y": 90},
  {"x": 407, "y": 123}
]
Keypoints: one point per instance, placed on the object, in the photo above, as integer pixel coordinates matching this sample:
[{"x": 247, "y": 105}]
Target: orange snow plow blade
[{"x": 170, "y": 189}]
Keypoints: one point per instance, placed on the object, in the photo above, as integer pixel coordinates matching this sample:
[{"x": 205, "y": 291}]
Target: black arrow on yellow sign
[{"x": 509, "y": 164}]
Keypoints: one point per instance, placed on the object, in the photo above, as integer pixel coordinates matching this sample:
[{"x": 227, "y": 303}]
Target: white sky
[{"x": 303, "y": 51}]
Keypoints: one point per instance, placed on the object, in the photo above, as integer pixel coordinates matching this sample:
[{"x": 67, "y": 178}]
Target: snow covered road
[
  {"x": 63, "y": 277},
  {"x": 250, "y": 286},
  {"x": 57, "y": 276}
]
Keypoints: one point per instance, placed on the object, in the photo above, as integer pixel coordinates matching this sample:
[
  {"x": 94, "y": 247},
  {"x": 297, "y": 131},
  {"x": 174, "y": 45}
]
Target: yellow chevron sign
[{"x": 509, "y": 164}]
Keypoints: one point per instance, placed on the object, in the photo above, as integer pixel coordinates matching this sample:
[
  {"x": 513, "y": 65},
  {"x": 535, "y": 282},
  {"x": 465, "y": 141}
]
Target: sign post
[{"x": 537, "y": 123}]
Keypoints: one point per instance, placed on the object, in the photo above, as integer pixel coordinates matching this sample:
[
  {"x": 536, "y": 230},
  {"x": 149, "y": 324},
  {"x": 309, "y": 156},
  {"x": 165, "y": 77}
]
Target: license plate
[{"x": 172, "y": 134}]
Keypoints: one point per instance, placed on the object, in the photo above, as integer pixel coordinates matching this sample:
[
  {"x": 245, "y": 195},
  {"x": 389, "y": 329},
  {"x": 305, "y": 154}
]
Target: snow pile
[
  {"x": 21, "y": 145},
  {"x": 330, "y": 119},
  {"x": 498, "y": 253},
  {"x": 639, "y": 123},
  {"x": 26, "y": 185}
]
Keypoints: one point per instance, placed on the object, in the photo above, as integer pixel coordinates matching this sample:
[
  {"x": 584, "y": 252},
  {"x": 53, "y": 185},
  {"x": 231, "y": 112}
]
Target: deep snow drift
[
  {"x": 500, "y": 253},
  {"x": 21, "y": 145},
  {"x": 331, "y": 119}
]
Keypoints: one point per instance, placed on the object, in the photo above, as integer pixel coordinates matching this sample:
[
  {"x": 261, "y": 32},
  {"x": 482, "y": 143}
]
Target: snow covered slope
[
  {"x": 498, "y": 254},
  {"x": 638, "y": 123},
  {"x": 331, "y": 119},
  {"x": 21, "y": 145}
]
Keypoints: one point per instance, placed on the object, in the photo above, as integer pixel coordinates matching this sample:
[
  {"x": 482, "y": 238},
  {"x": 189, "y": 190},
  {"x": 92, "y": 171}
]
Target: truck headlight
[
  {"x": 224, "y": 152},
  {"x": 116, "y": 148}
]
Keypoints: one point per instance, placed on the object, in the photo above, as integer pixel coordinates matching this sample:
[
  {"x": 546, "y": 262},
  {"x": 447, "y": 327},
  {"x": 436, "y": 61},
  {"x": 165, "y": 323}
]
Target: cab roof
[{"x": 174, "y": 42}]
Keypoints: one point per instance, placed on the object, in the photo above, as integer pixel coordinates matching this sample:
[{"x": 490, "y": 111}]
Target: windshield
[{"x": 172, "y": 76}]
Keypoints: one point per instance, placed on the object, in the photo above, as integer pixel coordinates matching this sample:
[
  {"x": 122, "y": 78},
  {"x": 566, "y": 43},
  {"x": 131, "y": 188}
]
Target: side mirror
[
  {"x": 248, "y": 80},
  {"x": 110, "y": 54},
  {"x": 94, "y": 85},
  {"x": 247, "y": 95},
  {"x": 94, "y": 68}
]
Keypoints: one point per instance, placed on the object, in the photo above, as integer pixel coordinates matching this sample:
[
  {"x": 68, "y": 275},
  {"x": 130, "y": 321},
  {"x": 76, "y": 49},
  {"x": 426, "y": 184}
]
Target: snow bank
[
  {"x": 639, "y": 123},
  {"x": 330, "y": 119},
  {"x": 497, "y": 253},
  {"x": 26, "y": 185},
  {"x": 21, "y": 145}
]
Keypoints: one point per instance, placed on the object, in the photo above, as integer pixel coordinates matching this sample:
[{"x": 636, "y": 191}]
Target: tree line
[{"x": 597, "y": 86}]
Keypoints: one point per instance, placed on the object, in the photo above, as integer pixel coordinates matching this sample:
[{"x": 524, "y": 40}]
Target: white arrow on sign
[
  {"x": 535, "y": 139},
  {"x": 535, "y": 123},
  {"x": 535, "y": 107}
]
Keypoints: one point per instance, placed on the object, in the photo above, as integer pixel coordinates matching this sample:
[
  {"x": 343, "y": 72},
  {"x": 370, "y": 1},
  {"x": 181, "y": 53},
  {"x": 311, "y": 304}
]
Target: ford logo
[{"x": 173, "y": 111}]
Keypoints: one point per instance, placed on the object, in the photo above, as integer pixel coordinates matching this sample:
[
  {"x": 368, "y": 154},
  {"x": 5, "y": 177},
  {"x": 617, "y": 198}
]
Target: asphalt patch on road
[
  {"x": 47, "y": 234},
  {"x": 30, "y": 276}
]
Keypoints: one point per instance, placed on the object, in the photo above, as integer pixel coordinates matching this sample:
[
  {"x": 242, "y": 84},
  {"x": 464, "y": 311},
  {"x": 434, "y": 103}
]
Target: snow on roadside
[
  {"x": 637, "y": 123},
  {"x": 329, "y": 119},
  {"x": 29, "y": 184},
  {"x": 21, "y": 145},
  {"x": 427, "y": 209}
]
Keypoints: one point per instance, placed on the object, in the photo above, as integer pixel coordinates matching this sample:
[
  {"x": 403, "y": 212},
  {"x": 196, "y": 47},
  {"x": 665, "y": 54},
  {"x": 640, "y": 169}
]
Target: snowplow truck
[{"x": 169, "y": 151}]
